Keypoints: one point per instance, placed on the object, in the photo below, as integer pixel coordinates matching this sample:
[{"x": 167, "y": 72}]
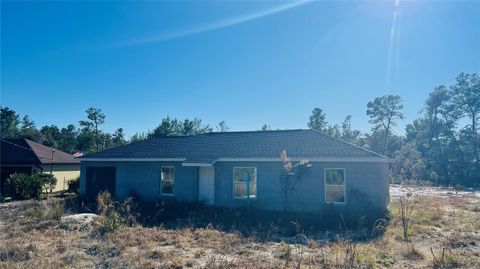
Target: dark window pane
[
  {"x": 167, "y": 187},
  {"x": 334, "y": 176},
  {"x": 167, "y": 179}
]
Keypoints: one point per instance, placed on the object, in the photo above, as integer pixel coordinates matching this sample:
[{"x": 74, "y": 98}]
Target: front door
[{"x": 206, "y": 184}]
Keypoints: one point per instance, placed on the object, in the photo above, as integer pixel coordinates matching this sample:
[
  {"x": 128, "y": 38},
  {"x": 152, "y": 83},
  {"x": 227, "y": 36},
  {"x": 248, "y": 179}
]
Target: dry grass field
[{"x": 444, "y": 233}]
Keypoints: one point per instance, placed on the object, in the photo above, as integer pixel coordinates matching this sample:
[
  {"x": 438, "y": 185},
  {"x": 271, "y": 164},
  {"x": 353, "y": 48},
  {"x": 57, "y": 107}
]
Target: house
[
  {"x": 234, "y": 169},
  {"x": 28, "y": 157}
]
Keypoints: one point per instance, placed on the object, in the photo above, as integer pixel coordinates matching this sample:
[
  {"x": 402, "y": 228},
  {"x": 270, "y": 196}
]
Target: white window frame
[
  {"x": 233, "y": 183},
  {"x": 325, "y": 185},
  {"x": 162, "y": 180}
]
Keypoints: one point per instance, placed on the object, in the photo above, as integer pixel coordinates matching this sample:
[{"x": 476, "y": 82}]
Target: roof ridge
[
  {"x": 228, "y": 132},
  {"x": 256, "y": 131}
]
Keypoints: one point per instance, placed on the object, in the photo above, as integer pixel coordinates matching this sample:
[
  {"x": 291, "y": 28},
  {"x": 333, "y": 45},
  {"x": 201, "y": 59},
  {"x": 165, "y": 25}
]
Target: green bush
[
  {"x": 24, "y": 187},
  {"x": 74, "y": 185},
  {"x": 49, "y": 182}
]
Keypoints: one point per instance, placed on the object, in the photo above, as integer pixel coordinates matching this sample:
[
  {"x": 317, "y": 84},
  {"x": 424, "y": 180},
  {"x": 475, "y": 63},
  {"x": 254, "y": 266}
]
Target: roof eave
[{"x": 266, "y": 159}]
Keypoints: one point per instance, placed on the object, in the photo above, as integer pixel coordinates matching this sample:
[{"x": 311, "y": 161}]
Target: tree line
[
  {"x": 88, "y": 136},
  {"x": 442, "y": 145}
]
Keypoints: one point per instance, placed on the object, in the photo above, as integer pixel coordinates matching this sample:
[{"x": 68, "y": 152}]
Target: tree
[
  {"x": 137, "y": 137},
  {"x": 374, "y": 141},
  {"x": 194, "y": 127},
  {"x": 466, "y": 100},
  {"x": 28, "y": 130},
  {"x": 266, "y": 127},
  {"x": 222, "y": 126},
  {"x": 168, "y": 127},
  {"x": 106, "y": 140},
  {"x": 9, "y": 123},
  {"x": 333, "y": 130},
  {"x": 68, "y": 139},
  {"x": 467, "y": 97},
  {"x": 118, "y": 138},
  {"x": 51, "y": 136},
  {"x": 290, "y": 176},
  {"x": 409, "y": 164},
  {"x": 86, "y": 140},
  {"x": 436, "y": 137},
  {"x": 317, "y": 120},
  {"x": 383, "y": 111},
  {"x": 95, "y": 118},
  {"x": 348, "y": 134},
  {"x": 174, "y": 127}
]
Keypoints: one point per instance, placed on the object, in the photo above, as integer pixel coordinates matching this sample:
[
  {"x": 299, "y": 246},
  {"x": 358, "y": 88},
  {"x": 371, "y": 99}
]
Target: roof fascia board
[
  {"x": 355, "y": 160},
  {"x": 131, "y": 159},
  {"x": 198, "y": 164}
]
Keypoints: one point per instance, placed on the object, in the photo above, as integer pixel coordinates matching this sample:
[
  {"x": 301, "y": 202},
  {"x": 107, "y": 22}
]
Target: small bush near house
[
  {"x": 22, "y": 186},
  {"x": 74, "y": 185},
  {"x": 49, "y": 182}
]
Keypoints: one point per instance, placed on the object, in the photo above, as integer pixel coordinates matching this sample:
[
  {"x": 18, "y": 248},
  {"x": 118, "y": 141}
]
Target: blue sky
[{"x": 247, "y": 63}]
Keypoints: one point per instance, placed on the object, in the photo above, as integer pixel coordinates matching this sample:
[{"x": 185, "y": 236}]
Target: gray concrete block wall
[
  {"x": 370, "y": 179},
  {"x": 143, "y": 179}
]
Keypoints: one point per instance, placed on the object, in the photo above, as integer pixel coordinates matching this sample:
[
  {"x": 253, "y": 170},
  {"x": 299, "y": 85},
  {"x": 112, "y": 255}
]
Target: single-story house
[
  {"x": 28, "y": 157},
  {"x": 234, "y": 169}
]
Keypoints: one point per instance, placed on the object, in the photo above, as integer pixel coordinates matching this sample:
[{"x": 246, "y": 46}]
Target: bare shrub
[
  {"x": 14, "y": 253},
  {"x": 446, "y": 259},
  {"x": 218, "y": 262},
  {"x": 46, "y": 210},
  {"x": 412, "y": 253},
  {"x": 115, "y": 215},
  {"x": 406, "y": 209}
]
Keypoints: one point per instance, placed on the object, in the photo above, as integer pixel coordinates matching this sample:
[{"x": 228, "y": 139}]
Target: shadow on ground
[{"x": 330, "y": 225}]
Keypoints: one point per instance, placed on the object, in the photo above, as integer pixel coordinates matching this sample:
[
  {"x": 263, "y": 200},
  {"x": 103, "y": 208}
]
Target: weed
[
  {"x": 406, "y": 210},
  {"x": 412, "y": 253},
  {"x": 46, "y": 210},
  {"x": 447, "y": 259},
  {"x": 386, "y": 258},
  {"x": 285, "y": 251},
  {"x": 114, "y": 215}
]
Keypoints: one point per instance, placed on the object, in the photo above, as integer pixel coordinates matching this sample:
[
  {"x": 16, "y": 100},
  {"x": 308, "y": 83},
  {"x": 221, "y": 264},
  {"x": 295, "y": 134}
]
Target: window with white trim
[
  {"x": 167, "y": 180},
  {"x": 244, "y": 182},
  {"x": 335, "y": 185}
]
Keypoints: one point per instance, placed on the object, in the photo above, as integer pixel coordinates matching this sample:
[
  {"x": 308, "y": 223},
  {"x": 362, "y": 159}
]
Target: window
[
  {"x": 244, "y": 182},
  {"x": 168, "y": 177},
  {"x": 334, "y": 185}
]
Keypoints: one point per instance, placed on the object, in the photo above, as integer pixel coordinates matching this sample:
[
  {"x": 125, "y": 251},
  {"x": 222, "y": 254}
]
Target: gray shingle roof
[{"x": 207, "y": 148}]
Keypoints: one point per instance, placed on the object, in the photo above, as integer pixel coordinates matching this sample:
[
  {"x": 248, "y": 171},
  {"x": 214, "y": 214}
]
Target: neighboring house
[
  {"x": 214, "y": 168},
  {"x": 28, "y": 157}
]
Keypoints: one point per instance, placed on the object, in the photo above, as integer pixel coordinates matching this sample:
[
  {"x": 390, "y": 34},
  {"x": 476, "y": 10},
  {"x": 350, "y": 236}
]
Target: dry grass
[{"x": 444, "y": 234}]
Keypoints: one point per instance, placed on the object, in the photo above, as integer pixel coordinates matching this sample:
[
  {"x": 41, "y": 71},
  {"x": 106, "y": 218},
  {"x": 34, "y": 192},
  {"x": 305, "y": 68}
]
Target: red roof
[{"x": 25, "y": 151}]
